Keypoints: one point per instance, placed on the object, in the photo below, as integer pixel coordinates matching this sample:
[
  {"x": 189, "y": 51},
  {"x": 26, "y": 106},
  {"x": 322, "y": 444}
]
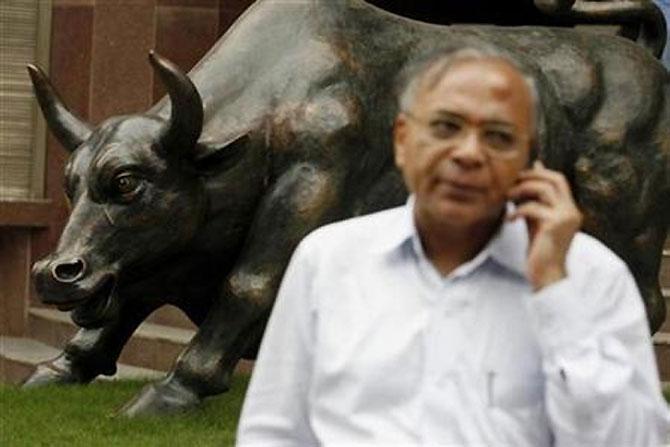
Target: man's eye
[
  {"x": 499, "y": 139},
  {"x": 445, "y": 128},
  {"x": 126, "y": 184}
]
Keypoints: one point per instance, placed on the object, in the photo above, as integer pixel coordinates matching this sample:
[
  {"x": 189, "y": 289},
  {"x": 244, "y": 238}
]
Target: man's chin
[{"x": 460, "y": 212}]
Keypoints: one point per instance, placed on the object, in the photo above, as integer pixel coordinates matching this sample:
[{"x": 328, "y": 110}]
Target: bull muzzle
[
  {"x": 70, "y": 284},
  {"x": 58, "y": 280}
]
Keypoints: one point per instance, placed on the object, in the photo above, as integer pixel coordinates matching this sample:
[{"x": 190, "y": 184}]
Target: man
[{"x": 459, "y": 319}]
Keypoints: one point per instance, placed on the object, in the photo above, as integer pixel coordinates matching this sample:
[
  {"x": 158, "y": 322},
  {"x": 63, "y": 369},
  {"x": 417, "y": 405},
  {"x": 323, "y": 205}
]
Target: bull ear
[
  {"x": 186, "y": 114},
  {"x": 213, "y": 157},
  {"x": 69, "y": 129}
]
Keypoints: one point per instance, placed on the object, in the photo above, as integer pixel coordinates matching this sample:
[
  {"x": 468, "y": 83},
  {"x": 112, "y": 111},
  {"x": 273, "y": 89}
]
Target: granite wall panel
[
  {"x": 14, "y": 266},
  {"x": 121, "y": 78},
  {"x": 184, "y": 35}
]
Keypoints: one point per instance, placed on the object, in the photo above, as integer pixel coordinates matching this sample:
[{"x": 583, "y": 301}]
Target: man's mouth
[
  {"x": 460, "y": 191},
  {"x": 97, "y": 307}
]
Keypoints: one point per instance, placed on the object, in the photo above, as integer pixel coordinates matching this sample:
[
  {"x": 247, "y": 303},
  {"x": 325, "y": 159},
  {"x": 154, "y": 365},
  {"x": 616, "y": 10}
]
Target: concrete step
[
  {"x": 20, "y": 356},
  {"x": 665, "y": 327},
  {"x": 664, "y": 273},
  {"x": 662, "y": 349},
  {"x": 152, "y": 346},
  {"x": 171, "y": 316},
  {"x": 662, "y": 337}
]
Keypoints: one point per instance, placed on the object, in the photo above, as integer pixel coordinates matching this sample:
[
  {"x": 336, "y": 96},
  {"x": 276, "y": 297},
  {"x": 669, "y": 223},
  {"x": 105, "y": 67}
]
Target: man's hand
[{"x": 544, "y": 199}]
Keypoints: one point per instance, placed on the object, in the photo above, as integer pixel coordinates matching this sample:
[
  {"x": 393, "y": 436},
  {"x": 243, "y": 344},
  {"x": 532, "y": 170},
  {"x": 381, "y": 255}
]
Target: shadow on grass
[{"x": 84, "y": 416}]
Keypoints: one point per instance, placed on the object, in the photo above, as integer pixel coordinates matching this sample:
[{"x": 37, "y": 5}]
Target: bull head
[{"x": 135, "y": 196}]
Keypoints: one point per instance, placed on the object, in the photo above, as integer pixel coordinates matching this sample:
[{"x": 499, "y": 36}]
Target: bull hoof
[
  {"x": 163, "y": 398},
  {"x": 52, "y": 374}
]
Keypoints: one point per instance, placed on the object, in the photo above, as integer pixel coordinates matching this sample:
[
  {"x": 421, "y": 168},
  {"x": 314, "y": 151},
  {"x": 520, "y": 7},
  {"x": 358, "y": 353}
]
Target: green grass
[{"x": 84, "y": 416}]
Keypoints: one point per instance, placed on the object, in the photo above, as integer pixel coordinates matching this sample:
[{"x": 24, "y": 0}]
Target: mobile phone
[{"x": 529, "y": 166}]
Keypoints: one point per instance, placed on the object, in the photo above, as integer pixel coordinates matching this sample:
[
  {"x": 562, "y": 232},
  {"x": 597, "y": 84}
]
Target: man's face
[{"x": 464, "y": 141}]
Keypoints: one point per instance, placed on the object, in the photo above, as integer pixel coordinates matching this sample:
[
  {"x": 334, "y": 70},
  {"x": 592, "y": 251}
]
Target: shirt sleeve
[
  {"x": 602, "y": 386},
  {"x": 275, "y": 410}
]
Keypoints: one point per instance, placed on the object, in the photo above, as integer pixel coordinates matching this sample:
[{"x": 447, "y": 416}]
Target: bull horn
[
  {"x": 68, "y": 128},
  {"x": 186, "y": 113}
]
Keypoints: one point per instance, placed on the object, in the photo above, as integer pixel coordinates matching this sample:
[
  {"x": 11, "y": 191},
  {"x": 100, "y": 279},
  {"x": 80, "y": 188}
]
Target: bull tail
[{"x": 642, "y": 21}]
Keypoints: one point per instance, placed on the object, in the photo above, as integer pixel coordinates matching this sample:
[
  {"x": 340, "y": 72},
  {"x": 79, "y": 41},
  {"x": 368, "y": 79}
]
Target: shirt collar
[
  {"x": 402, "y": 229},
  {"x": 508, "y": 247}
]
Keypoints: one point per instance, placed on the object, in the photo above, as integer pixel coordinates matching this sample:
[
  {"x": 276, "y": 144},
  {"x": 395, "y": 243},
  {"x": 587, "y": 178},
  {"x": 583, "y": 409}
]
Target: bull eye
[{"x": 126, "y": 184}]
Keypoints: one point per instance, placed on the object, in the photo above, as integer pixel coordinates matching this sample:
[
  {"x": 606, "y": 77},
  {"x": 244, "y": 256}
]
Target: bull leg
[
  {"x": 92, "y": 352},
  {"x": 644, "y": 259},
  {"x": 300, "y": 200},
  {"x": 642, "y": 251},
  {"x": 621, "y": 205}
]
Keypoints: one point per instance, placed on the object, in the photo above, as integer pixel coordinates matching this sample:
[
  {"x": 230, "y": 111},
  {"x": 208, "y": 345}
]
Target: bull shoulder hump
[
  {"x": 633, "y": 94},
  {"x": 563, "y": 61},
  {"x": 575, "y": 77},
  {"x": 601, "y": 81}
]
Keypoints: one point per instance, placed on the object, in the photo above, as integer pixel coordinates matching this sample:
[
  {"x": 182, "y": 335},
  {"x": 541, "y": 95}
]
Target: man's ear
[
  {"x": 217, "y": 157},
  {"x": 399, "y": 140}
]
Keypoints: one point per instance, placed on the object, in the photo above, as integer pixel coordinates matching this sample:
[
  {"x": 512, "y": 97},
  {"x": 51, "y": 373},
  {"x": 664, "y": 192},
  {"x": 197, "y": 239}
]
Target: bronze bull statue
[{"x": 285, "y": 125}]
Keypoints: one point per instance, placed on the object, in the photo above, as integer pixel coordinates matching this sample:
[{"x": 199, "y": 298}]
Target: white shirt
[{"x": 369, "y": 345}]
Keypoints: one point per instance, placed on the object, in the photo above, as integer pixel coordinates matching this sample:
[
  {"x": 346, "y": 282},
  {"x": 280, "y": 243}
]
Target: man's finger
[
  {"x": 556, "y": 178},
  {"x": 534, "y": 190},
  {"x": 533, "y": 211}
]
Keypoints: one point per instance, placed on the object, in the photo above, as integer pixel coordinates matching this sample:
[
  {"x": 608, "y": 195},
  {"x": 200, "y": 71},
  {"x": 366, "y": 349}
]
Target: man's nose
[{"x": 470, "y": 151}]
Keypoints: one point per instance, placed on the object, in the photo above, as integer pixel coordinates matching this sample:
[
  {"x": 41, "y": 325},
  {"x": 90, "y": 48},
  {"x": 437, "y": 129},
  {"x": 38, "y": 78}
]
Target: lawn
[{"x": 84, "y": 416}]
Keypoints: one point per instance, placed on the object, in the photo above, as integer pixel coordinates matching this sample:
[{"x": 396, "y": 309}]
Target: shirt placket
[{"x": 445, "y": 347}]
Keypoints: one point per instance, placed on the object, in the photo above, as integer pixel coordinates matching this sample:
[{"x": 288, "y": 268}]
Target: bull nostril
[{"x": 70, "y": 271}]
